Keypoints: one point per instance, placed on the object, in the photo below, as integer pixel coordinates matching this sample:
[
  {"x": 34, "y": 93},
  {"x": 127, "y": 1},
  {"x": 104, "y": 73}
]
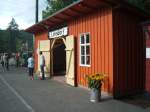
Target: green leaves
[
  {"x": 13, "y": 25},
  {"x": 94, "y": 83},
  {"x": 55, "y": 5},
  {"x": 143, "y": 4},
  {"x": 14, "y": 43}
]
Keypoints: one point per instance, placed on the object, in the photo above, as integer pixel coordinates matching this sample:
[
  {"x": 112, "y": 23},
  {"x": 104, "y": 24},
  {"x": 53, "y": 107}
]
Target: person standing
[
  {"x": 2, "y": 60},
  {"x": 7, "y": 61},
  {"x": 31, "y": 66},
  {"x": 17, "y": 59},
  {"x": 42, "y": 64}
]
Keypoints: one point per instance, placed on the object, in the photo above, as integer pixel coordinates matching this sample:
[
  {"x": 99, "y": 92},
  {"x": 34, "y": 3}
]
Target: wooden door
[
  {"x": 44, "y": 46},
  {"x": 70, "y": 66}
]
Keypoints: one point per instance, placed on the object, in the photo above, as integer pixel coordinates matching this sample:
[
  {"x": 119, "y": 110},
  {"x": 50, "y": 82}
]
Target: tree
[
  {"x": 25, "y": 42},
  {"x": 4, "y": 41},
  {"x": 12, "y": 39},
  {"x": 147, "y": 5},
  {"x": 142, "y": 4},
  {"x": 22, "y": 38},
  {"x": 13, "y": 25},
  {"x": 55, "y": 5},
  {"x": 13, "y": 33}
]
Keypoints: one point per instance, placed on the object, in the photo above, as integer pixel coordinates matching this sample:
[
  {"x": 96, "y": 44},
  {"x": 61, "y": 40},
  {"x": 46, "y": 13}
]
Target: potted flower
[{"x": 95, "y": 83}]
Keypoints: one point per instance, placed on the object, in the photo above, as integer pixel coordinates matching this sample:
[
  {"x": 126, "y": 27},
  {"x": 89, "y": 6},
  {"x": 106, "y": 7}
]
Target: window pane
[
  {"x": 82, "y": 39},
  {"x": 82, "y": 59},
  {"x": 87, "y": 49},
  {"x": 87, "y": 60},
  {"x": 87, "y": 38},
  {"x": 82, "y": 50}
]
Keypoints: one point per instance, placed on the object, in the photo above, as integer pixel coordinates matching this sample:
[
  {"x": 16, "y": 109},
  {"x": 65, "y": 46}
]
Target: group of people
[
  {"x": 31, "y": 65},
  {"x": 7, "y": 59},
  {"x": 4, "y": 59}
]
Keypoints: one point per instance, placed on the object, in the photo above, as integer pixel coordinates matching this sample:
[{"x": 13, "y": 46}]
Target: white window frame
[{"x": 85, "y": 44}]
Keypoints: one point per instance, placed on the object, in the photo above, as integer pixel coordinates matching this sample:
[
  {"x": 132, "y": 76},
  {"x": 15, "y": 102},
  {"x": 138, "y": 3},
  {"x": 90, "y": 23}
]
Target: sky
[{"x": 23, "y": 11}]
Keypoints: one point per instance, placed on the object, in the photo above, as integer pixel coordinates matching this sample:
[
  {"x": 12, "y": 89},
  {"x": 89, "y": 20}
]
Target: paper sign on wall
[{"x": 147, "y": 52}]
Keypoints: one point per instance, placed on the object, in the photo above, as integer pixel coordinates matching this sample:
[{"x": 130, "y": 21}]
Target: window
[{"x": 85, "y": 49}]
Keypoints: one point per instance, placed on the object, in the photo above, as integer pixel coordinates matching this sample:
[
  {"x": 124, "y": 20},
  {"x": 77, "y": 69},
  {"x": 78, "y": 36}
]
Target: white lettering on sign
[
  {"x": 147, "y": 52},
  {"x": 59, "y": 33}
]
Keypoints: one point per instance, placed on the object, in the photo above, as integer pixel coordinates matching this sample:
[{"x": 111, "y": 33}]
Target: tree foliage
[
  {"x": 4, "y": 44},
  {"x": 13, "y": 25},
  {"x": 13, "y": 34},
  {"x": 12, "y": 38},
  {"x": 22, "y": 38},
  {"x": 143, "y": 4},
  {"x": 55, "y": 5}
]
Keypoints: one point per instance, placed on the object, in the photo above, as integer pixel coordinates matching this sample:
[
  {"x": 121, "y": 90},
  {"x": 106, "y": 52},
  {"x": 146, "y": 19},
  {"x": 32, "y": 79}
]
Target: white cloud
[
  {"x": 4, "y": 21},
  {"x": 22, "y": 10}
]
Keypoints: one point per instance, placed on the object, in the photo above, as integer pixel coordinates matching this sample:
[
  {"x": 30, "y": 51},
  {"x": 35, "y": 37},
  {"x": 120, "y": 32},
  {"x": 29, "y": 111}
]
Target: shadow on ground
[{"x": 137, "y": 100}]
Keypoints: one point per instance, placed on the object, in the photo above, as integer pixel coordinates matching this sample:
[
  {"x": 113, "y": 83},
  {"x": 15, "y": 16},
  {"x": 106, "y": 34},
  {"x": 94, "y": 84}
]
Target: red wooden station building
[{"x": 95, "y": 36}]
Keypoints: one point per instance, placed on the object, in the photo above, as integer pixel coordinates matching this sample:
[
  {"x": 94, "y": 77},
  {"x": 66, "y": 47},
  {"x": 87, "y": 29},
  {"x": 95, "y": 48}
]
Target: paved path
[{"x": 19, "y": 94}]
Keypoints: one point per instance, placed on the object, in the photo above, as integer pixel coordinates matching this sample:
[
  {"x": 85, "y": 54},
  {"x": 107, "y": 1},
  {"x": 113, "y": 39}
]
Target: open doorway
[{"x": 59, "y": 60}]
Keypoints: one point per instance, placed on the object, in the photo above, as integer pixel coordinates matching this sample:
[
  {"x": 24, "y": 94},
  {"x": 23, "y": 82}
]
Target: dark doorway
[{"x": 59, "y": 59}]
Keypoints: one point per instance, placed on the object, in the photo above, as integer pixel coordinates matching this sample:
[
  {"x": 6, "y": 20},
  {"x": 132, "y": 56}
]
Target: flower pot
[{"x": 95, "y": 95}]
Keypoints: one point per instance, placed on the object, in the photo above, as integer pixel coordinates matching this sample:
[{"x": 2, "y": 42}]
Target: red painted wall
[
  {"x": 148, "y": 64},
  {"x": 39, "y": 36},
  {"x": 99, "y": 25},
  {"x": 129, "y": 54},
  {"x": 117, "y": 49}
]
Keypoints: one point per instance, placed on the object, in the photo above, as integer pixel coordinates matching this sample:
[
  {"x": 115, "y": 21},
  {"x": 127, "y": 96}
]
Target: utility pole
[{"x": 37, "y": 11}]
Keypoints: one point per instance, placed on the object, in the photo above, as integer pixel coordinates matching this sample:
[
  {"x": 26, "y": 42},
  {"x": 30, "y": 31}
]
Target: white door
[
  {"x": 44, "y": 46},
  {"x": 70, "y": 72}
]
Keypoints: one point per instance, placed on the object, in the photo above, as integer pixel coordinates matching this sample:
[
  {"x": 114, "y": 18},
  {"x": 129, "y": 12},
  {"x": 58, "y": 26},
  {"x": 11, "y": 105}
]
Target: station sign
[{"x": 58, "y": 33}]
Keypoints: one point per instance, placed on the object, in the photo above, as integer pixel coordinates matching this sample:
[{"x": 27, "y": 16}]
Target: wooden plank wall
[
  {"x": 38, "y": 37},
  {"x": 129, "y": 54},
  {"x": 148, "y": 63},
  {"x": 99, "y": 24}
]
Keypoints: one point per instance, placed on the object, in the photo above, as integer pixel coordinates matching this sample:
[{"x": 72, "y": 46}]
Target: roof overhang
[{"x": 78, "y": 8}]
